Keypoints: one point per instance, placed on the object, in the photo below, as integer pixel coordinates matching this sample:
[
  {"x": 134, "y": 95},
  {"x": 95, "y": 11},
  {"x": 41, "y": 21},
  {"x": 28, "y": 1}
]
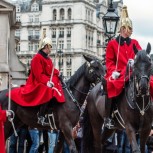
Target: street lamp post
[{"x": 110, "y": 21}]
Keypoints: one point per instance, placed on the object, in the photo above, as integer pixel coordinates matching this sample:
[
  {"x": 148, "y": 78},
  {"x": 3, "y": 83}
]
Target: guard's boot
[
  {"x": 41, "y": 120},
  {"x": 108, "y": 121},
  {"x": 41, "y": 115}
]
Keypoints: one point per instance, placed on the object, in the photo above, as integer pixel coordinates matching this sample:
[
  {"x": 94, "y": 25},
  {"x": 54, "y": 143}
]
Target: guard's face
[
  {"x": 128, "y": 31},
  {"x": 48, "y": 49}
]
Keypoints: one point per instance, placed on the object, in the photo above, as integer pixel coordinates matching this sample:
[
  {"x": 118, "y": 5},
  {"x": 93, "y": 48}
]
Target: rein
[
  {"x": 71, "y": 95},
  {"x": 80, "y": 91}
]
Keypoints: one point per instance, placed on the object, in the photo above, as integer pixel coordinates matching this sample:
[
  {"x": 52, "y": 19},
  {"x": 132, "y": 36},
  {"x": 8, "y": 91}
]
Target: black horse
[
  {"x": 133, "y": 109},
  {"x": 66, "y": 115}
]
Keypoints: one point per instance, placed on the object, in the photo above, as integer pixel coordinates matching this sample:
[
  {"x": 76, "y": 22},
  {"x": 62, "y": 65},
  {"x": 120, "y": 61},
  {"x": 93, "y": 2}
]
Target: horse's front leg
[
  {"x": 143, "y": 139},
  {"x": 60, "y": 142},
  {"x": 132, "y": 138},
  {"x": 107, "y": 133},
  {"x": 67, "y": 131},
  {"x": 66, "y": 127}
]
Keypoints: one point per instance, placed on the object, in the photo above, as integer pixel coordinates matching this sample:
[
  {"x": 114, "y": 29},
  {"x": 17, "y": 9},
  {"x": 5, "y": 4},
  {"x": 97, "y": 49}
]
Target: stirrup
[
  {"x": 41, "y": 120},
  {"x": 109, "y": 123}
]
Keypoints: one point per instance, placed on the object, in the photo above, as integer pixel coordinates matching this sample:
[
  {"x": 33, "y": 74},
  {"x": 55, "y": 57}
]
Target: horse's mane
[{"x": 76, "y": 76}]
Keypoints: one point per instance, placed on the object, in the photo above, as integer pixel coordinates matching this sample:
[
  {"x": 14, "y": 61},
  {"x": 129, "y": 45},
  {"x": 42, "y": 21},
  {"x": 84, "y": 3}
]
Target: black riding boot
[
  {"x": 108, "y": 121},
  {"x": 41, "y": 114}
]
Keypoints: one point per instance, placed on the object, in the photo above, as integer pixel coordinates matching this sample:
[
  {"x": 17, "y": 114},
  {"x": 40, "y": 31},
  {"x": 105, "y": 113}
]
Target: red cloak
[
  {"x": 36, "y": 92},
  {"x": 126, "y": 52},
  {"x": 2, "y": 138}
]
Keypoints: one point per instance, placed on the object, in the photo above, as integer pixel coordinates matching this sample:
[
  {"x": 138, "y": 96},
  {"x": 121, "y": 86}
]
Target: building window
[
  {"x": 92, "y": 16},
  {"x": 68, "y": 44},
  {"x": 18, "y": 18},
  {"x": 33, "y": 34},
  {"x": 68, "y": 32},
  {"x": 69, "y": 14},
  {"x": 87, "y": 38},
  {"x": 36, "y": 18},
  {"x": 88, "y": 15},
  {"x": 37, "y": 34},
  {"x": 31, "y": 18},
  {"x": 54, "y": 44},
  {"x": 68, "y": 60},
  {"x": 33, "y": 46},
  {"x": 54, "y": 33},
  {"x": 18, "y": 47},
  {"x": 62, "y": 14},
  {"x": 36, "y": 46},
  {"x": 68, "y": 73},
  {"x": 18, "y": 9},
  {"x": 30, "y": 46},
  {"x": 35, "y": 7},
  {"x": 17, "y": 33},
  {"x": 61, "y": 33},
  {"x": 61, "y": 44},
  {"x": 54, "y": 15},
  {"x": 30, "y": 32},
  {"x": 91, "y": 38}
]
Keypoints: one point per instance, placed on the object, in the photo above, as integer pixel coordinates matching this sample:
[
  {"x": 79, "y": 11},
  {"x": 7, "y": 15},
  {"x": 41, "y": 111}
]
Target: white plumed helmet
[
  {"x": 45, "y": 41},
  {"x": 125, "y": 20}
]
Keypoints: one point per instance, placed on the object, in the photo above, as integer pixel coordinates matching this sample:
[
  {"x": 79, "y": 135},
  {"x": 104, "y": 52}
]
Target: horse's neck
[{"x": 81, "y": 89}]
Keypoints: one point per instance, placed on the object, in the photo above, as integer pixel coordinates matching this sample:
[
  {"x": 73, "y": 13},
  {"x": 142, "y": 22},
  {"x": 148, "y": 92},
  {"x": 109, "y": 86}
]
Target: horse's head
[
  {"x": 142, "y": 70},
  {"x": 95, "y": 70}
]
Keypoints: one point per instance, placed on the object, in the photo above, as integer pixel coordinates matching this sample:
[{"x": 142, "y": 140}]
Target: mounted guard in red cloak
[{"x": 43, "y": 83}]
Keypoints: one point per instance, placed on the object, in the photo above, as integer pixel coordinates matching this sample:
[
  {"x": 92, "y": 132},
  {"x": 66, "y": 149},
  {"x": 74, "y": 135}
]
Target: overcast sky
[{"x": 141, "y": 14}]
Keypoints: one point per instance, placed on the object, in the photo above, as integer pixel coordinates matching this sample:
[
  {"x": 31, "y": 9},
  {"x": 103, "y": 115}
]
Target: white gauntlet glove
[
  {"x": 115, "y": 75},
  {"x": 131, "y": 62},
  {"x": 50, "y": 84}
]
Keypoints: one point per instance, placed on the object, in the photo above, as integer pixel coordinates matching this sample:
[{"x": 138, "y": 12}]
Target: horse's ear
[
  {"x": 87, "y": 58},
  {"x": 148, "y": 48},
  {"x": 135, "y": 49}
]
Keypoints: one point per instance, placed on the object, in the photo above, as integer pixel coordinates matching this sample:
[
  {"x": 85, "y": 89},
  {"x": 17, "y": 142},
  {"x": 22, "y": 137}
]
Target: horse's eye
[{"x": 91, "y": 70}]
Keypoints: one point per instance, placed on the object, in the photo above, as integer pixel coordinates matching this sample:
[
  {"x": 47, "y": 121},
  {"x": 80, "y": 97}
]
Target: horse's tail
[{"x": 87, "y": 133}]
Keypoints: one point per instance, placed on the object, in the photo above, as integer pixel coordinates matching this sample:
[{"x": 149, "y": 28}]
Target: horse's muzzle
[{"x": 143, "y": 90}]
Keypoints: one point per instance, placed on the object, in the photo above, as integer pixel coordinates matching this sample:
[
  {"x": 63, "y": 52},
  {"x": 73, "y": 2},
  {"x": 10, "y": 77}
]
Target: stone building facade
[
  {"x": 74, "y": 26},
  {"x": 9, "y": 62}
]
